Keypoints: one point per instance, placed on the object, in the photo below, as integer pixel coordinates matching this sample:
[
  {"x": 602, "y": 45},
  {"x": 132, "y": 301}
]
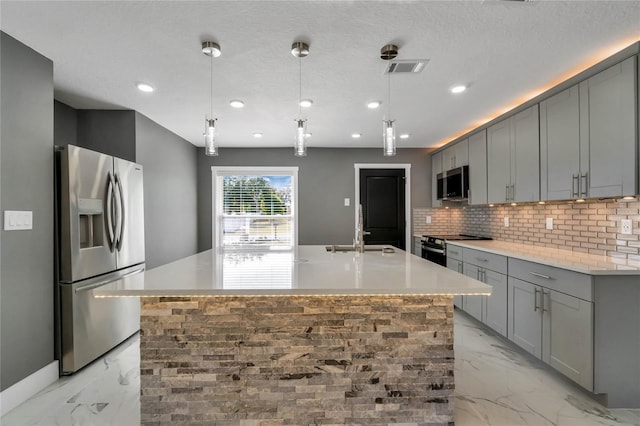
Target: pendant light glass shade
[
  {"x": 210, "y": 134},
  {"x": 301, "y": 136},
  {"x": 389, "y": 138}
]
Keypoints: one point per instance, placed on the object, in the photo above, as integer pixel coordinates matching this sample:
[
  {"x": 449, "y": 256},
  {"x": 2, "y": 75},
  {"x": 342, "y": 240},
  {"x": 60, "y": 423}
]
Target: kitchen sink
[{"x": 343, "y": 249}]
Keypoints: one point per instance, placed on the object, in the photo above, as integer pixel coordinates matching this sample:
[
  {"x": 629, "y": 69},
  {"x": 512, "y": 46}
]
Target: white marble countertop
[
  {"x": 303, "y": 270},
  {"x": 574, "y": 261}
]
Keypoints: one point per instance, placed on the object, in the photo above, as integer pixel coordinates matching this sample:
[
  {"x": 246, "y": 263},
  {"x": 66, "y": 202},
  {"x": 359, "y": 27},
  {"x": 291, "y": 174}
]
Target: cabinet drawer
[
  {"x": 454, "y": 252},
  {"x": 491, "y": 261},
  {"x": 568, "y": 282}
]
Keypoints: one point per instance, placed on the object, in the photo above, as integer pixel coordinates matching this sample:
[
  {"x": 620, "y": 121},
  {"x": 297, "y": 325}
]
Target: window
[{"x": 254, "y": 207}]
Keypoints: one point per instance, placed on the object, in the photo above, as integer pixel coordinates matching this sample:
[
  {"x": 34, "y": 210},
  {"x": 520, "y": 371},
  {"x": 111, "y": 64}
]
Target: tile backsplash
[{"x": 590, "y": 227}]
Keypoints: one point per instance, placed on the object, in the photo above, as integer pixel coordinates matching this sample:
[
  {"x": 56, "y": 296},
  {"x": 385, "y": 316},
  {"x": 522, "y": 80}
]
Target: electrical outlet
[
  {"x": 549, "y": 223},
  {"x": 347, "y": 202},
  {"x": 626, "y": 227},
  {"x": 506, "y": 222},
  {"x": 428, "y": 220}
]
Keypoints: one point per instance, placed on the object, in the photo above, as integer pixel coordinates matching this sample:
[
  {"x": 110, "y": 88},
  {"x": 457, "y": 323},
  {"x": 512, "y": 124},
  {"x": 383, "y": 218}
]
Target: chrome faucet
[{"x": 360, "y": 232}]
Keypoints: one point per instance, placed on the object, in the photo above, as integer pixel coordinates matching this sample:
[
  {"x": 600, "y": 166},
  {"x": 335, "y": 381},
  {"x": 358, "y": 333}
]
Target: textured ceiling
[{"x": 505, "y": 51}]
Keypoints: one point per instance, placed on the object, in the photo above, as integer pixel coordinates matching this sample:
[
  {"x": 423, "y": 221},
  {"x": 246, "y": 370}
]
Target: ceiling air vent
[{"x": 406, "y": 66}]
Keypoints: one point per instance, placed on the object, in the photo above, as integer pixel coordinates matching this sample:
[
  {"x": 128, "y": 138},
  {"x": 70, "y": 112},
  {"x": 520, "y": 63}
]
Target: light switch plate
[
  {"x": 347, "y": 202},
  {"x": 506, "y": 222},
  {"x": 428, "y": 220},
  {"x": 17, "y": 220},
  {"x": 626, "y": 227},
  {"x": 549, "y": 223}
]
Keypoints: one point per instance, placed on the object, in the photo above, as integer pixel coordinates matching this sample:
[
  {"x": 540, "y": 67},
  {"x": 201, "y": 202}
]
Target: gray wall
[
  {"x": 170, "y": 196},
  {"x": 65, "y": 123},
  {"x": 111, "y": 132},
  {"x": 26, "y": 180},
  {"x": 326, "y": 177}
]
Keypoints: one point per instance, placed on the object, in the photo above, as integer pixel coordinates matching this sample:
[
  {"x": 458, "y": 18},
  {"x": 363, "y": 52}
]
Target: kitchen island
[{"x": 299, "y": 336}]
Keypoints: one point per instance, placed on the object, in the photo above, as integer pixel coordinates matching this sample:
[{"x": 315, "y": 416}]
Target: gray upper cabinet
[
  {"x": 513, "y": 152},
  {"x": 588, "y": 137},
  {"x": 478, "y": 168},
  {"x": 608, "y": 144},
  {"x": 456, "y": 155},
  {"x": 436, "y": 167},
  {"x": 560, "y": 145}
]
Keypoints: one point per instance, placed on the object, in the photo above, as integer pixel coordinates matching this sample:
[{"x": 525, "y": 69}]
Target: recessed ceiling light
[
  {"x": 307, "y": 135},
  {"x": 458, "y": 89},
  {"x": 236, "y": 103},
  {"x": 374, "y": 104},
  {"x": 145, "y": 87},
  {"x": 306, "y": 103},
  {"x": 405, "y": 136},
  {"x": 257, "y": 135},
  {"x": 356, "y": 135}
]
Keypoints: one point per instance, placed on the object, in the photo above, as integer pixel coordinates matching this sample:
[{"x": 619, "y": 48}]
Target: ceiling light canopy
[
  {"x": 212, "y": 50},
  {"x": 236, "y": 103},
  {"x": 145, "y": 87}
]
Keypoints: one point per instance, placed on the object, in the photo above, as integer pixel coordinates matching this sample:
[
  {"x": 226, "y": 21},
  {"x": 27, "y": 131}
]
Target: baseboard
[{"x": 18, "y": 393}]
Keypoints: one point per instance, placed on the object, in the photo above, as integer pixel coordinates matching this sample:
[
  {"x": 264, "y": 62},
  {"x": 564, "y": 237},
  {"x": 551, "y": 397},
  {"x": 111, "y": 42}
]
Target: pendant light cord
[
  {"x": 300, "y": 88},
  {"x": 211, "y": 87},
  {"x": 389, "y": 94}
]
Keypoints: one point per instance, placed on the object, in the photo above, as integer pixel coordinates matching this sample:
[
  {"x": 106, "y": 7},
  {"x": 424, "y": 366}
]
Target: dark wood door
[{"x": 382, "y": 195}]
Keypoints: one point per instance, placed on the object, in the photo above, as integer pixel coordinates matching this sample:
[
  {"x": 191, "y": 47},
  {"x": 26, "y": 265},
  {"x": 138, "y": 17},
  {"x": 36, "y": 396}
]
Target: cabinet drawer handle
[
  {"x": 482, "y": 259},
  {"x": 453, "y": 252},
  {"x": 546, "y": 277},
  {"x": 535, "y": 299}
]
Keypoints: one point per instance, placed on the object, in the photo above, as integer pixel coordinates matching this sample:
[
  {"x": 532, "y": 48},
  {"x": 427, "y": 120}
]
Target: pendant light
[
  {"x": 388, "y": 52},
  {"x": 212, "y": 50},
  {"x": 300, "y": 50}
]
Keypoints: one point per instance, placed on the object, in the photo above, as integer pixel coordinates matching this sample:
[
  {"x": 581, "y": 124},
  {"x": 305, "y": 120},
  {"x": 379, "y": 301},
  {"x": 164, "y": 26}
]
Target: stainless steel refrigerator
[{"x": 100, "y": 239}]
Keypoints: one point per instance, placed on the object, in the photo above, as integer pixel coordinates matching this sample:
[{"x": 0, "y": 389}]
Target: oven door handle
[{"x": 433, "y": 250}]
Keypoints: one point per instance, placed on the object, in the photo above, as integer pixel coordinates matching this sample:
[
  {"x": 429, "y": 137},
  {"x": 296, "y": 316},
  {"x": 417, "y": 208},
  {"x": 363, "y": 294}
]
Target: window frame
[{"x": 217, "y": 175}]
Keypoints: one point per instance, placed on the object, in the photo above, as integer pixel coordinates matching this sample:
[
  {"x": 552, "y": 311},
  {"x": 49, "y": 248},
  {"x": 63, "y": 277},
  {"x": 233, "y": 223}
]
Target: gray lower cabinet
[
  {"x": 456, "y": 265},
  {"x": 567, "y": 336},
  {"x": 417, "y": 246},
  {"x": 490, "y": 269},
  {"x": 553, "y": 326}
]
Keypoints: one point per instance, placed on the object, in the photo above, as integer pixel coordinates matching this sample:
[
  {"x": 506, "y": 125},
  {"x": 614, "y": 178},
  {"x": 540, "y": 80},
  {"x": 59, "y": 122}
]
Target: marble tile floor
[{"x": 496, "y": 384}]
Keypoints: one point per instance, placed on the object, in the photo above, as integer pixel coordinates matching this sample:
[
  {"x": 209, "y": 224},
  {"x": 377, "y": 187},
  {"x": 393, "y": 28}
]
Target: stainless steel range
[{"x": 434, "y": 247}]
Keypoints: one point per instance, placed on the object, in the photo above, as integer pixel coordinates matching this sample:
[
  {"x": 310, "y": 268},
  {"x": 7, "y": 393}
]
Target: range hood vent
[{"x": 407, "y": 66}]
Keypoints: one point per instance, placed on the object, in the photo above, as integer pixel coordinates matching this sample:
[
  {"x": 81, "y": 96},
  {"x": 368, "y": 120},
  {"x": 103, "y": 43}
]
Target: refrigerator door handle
[
  {"x": 109, "y": 218},
  {"x": 107, "y": 281},
  {"x": 121, "y": 215}
]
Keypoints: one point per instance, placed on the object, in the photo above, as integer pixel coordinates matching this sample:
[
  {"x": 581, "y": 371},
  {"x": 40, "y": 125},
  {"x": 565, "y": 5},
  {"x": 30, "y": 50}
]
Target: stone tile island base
[{"x": 297, "y": 360}]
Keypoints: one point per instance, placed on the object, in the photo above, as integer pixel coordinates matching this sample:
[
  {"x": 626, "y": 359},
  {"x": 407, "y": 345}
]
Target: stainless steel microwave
[{"x": 454, "y": 184}]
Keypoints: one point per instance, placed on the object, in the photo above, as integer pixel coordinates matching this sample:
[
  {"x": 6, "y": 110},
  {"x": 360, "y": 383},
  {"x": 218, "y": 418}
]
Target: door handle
[
  {"x": 122, "y": 214},
  {"x": 583, "y": 191},
  {"x": 506, "y": 192},
  {"x": 548, "y": 293},
  {"x": 109, "y": 217},
  {"x": 575, "y": 183},
  {"x": 535, "y": 299},
  {"x": 513, "y": 192}
]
